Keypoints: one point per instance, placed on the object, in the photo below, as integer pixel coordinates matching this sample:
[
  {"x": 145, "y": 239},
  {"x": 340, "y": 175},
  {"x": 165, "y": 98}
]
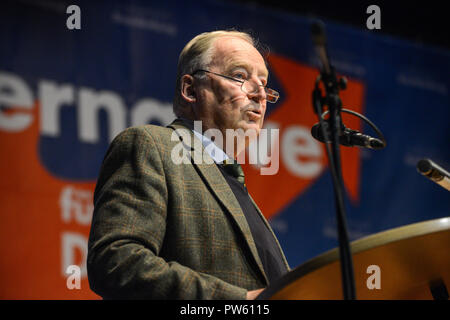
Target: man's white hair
[{"x": 197, "y": 54}]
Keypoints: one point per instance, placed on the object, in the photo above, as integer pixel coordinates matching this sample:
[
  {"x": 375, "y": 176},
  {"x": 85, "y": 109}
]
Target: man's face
[{"x": 221, "y": 103}]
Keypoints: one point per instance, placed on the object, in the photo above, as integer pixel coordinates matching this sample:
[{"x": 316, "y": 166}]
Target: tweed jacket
[{"x": 168, "y": 230}]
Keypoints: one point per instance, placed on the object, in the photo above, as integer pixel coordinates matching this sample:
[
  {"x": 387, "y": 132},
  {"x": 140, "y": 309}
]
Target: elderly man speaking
[{"x": 168, "y": 229}]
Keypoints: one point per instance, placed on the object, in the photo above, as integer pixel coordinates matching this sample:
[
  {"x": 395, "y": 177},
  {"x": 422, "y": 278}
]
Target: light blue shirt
[{"x": 217, "y": 154}]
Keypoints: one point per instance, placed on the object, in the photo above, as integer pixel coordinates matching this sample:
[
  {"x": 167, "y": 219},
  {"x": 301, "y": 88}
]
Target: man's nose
[{"x": 258, "y": 93}]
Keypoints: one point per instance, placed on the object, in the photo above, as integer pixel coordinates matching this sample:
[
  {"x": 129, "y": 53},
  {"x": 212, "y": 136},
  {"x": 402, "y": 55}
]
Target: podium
[{"x": 406, "y": 263}]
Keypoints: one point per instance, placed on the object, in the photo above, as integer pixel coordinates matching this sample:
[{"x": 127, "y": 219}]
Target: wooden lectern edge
[{"x": 371, "y": 241}]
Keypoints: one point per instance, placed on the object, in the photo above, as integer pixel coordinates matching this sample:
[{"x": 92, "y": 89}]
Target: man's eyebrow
[{"x": 235, "y": 65}]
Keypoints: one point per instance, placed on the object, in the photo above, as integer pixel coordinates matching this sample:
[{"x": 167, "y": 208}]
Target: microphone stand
[{"x": 332, "y": 86}]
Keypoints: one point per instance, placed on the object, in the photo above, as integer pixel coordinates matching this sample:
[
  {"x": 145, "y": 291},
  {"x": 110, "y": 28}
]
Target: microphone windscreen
[
  {"x": 318, "y": 33},
  {"x": 377, "y": 144},
  {"x": 428, "y": 167},
  {"x": 424, "y": 166}
]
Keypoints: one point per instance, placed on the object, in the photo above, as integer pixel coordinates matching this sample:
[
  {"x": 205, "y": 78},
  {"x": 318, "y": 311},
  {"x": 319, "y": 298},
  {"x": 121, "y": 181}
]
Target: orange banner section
[{"x": 45, "y": 223}]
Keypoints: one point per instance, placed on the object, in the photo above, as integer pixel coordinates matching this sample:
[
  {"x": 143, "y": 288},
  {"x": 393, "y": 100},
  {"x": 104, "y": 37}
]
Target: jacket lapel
[{"x": 217, "y": 184}]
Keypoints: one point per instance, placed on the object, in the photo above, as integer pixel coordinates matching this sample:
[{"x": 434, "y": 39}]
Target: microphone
[
  {"x": 320, "y": 41},
  {"x": 434, "y": 172},
  {"x": 349, "y": 137}
]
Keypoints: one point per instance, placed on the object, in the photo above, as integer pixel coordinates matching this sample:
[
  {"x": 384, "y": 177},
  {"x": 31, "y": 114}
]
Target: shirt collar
[{"x": 216, "y": 153}]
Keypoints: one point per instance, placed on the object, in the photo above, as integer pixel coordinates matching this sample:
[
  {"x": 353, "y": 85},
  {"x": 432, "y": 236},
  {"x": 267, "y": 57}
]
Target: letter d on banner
[{"x": 70, "y": 243}]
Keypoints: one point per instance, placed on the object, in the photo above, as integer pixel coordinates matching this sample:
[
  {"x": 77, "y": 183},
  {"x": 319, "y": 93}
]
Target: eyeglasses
[{"x": 248, "y": 86}]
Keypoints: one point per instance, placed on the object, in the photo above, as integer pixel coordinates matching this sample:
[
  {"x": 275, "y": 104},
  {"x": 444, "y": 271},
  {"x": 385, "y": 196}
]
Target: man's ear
[{"x": 187, "y": 88}]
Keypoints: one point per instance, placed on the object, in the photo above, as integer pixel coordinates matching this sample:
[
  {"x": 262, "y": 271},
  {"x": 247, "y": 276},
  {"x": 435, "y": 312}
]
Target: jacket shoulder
[{"x": 159, "y": 134}]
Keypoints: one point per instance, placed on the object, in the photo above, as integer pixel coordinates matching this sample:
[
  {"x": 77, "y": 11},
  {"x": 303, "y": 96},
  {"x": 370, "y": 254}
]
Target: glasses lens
[
  {"x": 272, "y": 95},
  {"x": 252, "y": 87}
]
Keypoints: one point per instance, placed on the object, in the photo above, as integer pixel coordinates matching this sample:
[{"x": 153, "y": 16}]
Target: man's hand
[{"x": 251, "y": 295}]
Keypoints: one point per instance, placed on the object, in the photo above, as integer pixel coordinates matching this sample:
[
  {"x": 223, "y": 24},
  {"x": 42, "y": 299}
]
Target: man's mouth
[{"x": 253, "y": 114}]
